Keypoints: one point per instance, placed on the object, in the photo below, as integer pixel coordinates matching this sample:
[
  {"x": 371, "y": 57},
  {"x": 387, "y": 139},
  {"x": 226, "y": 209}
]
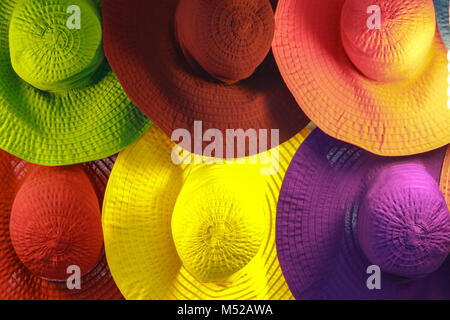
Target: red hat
[
  {"x": 50, "y": 228},
  {"x": 200, "y": 60}
]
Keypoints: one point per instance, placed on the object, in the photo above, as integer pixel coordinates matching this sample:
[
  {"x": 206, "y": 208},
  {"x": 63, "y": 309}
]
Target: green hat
[{"x": 60, "y": 103}]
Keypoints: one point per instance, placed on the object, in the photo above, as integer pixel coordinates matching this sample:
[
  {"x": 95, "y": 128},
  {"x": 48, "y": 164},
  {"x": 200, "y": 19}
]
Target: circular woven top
[
  {"x": 216, "y": 231},
  {"x": 228, "y": 39},
  {"x": 49, "y": 55},
  {"x": 396, "y": 51},
  {"x": 55, "y": 222}
]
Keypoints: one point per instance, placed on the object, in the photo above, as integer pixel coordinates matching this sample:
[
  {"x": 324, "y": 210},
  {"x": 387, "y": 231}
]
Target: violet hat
[{"x": 343, "y": 211}]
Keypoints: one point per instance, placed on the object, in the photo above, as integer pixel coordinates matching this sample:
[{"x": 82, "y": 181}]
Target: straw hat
[
  {"x": 194, "y": 231},
  {"x": 442, "y": 19},
  {"x": 200, "y": 60},
  {"x": 342, "y": 210},
  {"x": 60, "y": 103},
  {"x": 384, "y": 90},
  {"x": 50, "y": 224}
]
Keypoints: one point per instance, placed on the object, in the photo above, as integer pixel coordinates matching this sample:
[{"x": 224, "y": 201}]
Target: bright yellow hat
[{"x": 194, "y": 231}]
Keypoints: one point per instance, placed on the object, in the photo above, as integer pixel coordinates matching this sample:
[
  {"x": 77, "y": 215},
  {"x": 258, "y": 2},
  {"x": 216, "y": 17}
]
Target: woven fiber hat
[
  {"x": 194, "y": 231},
  {"x": 60, "y": 103},
  {"x": 377, "y": 80},
  {"x": 343, "y": 212},
  {"x": 50, "y": 224},
  {"x": 442, "y": 19},
  {"x": 200, "y": 60}
]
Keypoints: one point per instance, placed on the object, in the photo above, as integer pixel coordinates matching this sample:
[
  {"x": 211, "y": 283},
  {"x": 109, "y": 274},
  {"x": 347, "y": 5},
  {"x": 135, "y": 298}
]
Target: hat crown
[
  {"x": 227, "y": 39},
  {"x": 404, "y": 222},
  {"x": 56, "y": 45},
  {"x": 388, "y": 40},
  {"x": 218, "y": 222},
  {"x": 55, "y": 222}
]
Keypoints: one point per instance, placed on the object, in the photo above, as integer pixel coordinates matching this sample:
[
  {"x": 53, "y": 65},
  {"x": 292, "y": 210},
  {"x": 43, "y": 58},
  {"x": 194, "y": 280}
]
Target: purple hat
[{"x": 343, "y": 212}]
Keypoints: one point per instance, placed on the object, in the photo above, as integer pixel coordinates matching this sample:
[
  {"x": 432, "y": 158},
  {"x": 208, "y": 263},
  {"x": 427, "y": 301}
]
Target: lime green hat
[{"x": 60, "y": 103}]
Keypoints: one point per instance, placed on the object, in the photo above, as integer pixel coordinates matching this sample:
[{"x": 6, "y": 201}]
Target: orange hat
[{"x": 371, "y": 73}]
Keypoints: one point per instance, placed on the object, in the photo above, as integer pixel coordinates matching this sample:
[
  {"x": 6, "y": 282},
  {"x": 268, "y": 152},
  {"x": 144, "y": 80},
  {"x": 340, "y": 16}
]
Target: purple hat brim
[{"x": 316, "y": 236}]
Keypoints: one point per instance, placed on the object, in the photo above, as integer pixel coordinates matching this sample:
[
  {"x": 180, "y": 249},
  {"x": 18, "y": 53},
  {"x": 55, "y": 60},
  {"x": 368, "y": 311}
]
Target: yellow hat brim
[{"x": 137, "y": 211}]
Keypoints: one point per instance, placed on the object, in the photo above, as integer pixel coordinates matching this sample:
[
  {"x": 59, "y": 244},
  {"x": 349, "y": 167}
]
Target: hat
[
  {"x": 194, "y": 231},
  {"x": 201, "y": 60},
  {"x": 343, "y": 213},
  {"x": 371, "y": 73},
  {"x": 51, "y": 243},
  {"x": 442, "y": 19},
  {"x": 60, "y": 103}
]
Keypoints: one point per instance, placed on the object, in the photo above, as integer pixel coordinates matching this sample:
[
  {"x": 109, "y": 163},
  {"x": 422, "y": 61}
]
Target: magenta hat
[{"x": 342, "y": 209}]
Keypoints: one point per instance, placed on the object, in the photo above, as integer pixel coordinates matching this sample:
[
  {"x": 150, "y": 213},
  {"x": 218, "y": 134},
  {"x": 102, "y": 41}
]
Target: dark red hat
[
  {"x": 50, "y": 227},
  {"x": 200, "y": 60}
]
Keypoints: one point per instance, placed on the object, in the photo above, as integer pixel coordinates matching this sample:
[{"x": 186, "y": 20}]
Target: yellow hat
[{"x": 194, "y": 231}]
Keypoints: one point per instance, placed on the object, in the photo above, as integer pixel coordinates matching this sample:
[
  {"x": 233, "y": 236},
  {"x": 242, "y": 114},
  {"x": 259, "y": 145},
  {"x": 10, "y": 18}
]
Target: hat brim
[
  {"x": 73, "y": 126},
  {"x": 390, "y": 119},
  {"x": 137, "y": 212},
  {"x": 16, "y": 281},
  {"x": 140, "y": 46},
  {"x": 445, "y": 177},
  {"x": 316, "y": 221},
  {"x": 442, "y": 19}
]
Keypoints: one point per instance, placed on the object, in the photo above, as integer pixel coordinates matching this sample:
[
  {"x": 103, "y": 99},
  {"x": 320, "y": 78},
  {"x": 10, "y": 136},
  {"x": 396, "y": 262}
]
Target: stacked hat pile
[{"x": 298, "y": 214}]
